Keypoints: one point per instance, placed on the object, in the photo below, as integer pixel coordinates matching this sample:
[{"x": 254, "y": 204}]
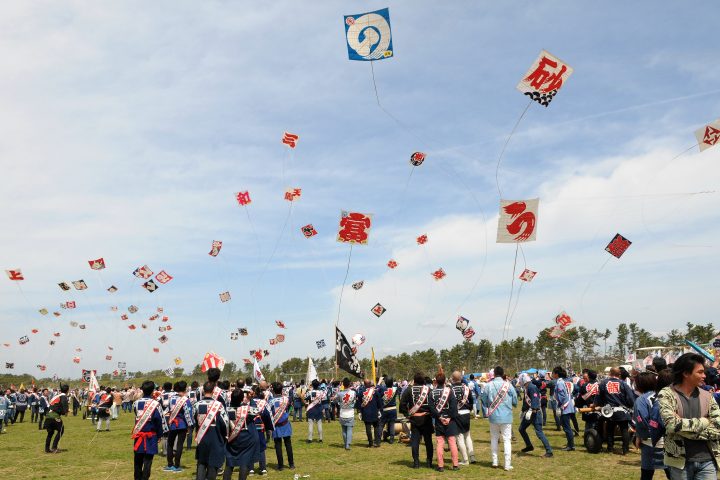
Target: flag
[
  {"x": 259, "y": 377},
  {"x": 94, "y": 385},
  {"x": 344, "y": 356},
  {"x": 372, "y": 364},
  {"x": 311, "y": 372}
]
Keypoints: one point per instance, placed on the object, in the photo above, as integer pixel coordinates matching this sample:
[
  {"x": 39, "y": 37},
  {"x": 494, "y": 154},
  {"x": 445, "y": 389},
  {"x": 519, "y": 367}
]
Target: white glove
[
  {"x": 528, "y": 415},
  {"x": 558, "y": 411}
]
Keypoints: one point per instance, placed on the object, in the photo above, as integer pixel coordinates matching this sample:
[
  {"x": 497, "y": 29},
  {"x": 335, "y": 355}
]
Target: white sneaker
[
  {"x": 508, "y": 467},
  {"x": 463, "y": 463}
]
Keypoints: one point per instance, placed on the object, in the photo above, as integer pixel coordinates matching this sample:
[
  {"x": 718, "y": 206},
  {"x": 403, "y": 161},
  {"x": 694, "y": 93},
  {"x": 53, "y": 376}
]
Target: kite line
[
  {"x": 507, "y": 141},
  {"x": 342, "y": 289}
]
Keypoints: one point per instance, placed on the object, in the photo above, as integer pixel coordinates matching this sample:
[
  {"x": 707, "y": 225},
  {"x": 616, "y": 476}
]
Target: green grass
[{"x": 108, "y": 455}]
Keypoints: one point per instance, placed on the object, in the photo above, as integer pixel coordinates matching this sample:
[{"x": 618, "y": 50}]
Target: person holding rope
[
  {"x": 53, "y": 422},
  {"x": 416, "y": 404},
  {"x": 499, "y": 398},
  {"x": 149, "y": 427}
]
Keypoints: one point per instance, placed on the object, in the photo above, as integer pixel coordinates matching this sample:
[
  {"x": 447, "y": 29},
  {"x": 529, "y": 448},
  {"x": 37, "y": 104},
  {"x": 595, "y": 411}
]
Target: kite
[
  {"x": 156, "y": 350},
  {"x": 258, "y": 354},
  {"x": 56, "y": 334},
  {"x": 81, "y": 326},
  {"x": 320, "y": 344},
  {"x": 150, "y": 286},
  {"x": 233, "y": 335},
  {"x": 266, "y": 353},
  {"x": 273, "y": 341},
  {"x": 15, "y": 275},
  {"x": 243, "y": 198},
  {"x": 114, "y": 308},
  {"x": 358, "y": 285},
  {"x": 563, "y": 320},
  {"x": 73, "y": 324},
  {"x": 57, "y": 314},
  {"x": 243, "y": 331},
  {"x": 225, "y": 297},
  {"x": 439, "y": 274},
  {"x": 280, "y": 338},
  {"x": 168, "y": 328},
  {"x": 6, "y": 344},
  {"x": 70, "y": 305},
  {"x": 163, "y": 277},
  {"x": 110, "y": 347},
  {"x": 163, "y": 339},
  {"x": 64, "y": 286},
  {"x": 290, "y": 139},
  {"x": 468, "y": 334},
  {"x": 378, "y": 310},
  {"x": 154, "y": 317},
  {"x": 51, "y": 342},
  {"x": 292, "y": 193},
  {"x": 80, "y": 285},
  {"x": 280, "y": 323},
  {"x": 144, "y": 326},
  {"x": 212, "y": 360},
  {"x": 34, "y": 330},
  {"x": 162, "y": 329},
  {"x": 417, "y": 158},
  {"x": 98, "y": 264},
  {"x": 308, "y": 230},
  {"x": 354, "y": 227},
  {"x": 9, "y": 365},
  {"x": 178, "y": 361},
  {"x": 160, "y": 309},
  {"x": 517, "y": 220},
  {"x": 618, "y": 245},
  {"x": 108, "y": 357},
  {"x": 23, "y": 340},
  {"x": 708, "y": 135},
  {"x": 555, "y": 332},
  {"x": 76, "y": 359},
  {"x": 132, "y": 309},
  {"x": 143, "y": 272},
  {"x": 132, "y": 326},
  {"x": 112, "y": 289},
  {"x": 527, "y": 275},
  {"x": 369, "y": 36},
  {"x": 165, "y": 319},
  {"x": 78, "y": 349},
  {"x": 115, "y": 373},
  {"x": 422, "y": 239},
  {"x": 392, "y": 264},
  {"x": 124, "y": 316},
  {"x": 214, "y": 249},
  {"x": 169, "y": 371},
  {"x": 358, "y": 339},
  {"x": 544, "y": 78},
  {"x": 121, "y": 365},
  {"x": 43, "y": 311},
  {"x": 462, "y": 323}
]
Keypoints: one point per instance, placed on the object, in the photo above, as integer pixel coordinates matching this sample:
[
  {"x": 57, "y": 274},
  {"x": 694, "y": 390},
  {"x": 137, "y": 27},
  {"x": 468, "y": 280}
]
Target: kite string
[
  {"x": 512, "y": 288},
  {"x": 507, "y": 141},
  {"x": 590, "y": 282},
  {"x": 517, "y": 297},
  {"x": 342, "y": 289}
]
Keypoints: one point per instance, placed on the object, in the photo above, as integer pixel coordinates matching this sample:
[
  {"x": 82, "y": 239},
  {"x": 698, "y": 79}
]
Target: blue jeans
[
  {"x": 347, "y": 435},
  {"x": 536, "y": 421},
  {"x": 569, "y": 434},
  {"x": 694, "y": 471}
]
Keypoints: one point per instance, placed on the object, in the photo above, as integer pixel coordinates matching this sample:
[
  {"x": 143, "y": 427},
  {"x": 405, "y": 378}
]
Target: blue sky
[{"x": 129, "y": 127}]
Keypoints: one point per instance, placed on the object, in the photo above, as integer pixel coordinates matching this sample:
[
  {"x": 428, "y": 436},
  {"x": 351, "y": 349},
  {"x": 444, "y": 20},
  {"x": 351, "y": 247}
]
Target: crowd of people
[{"x": 669, "y": 413}]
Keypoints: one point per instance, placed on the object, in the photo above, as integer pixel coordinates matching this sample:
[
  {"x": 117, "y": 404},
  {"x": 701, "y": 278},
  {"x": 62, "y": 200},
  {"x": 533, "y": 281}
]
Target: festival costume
[
  {"x": 369, "y": 406},
  {"x": 43, "y": 405},
  {"x": 465, "y": 402},
  {"x": 565, "y": 408},
  {"x": 445, "y": 409},
  {"x": 149, "y": 426},
  {"x": 212, "y": 430},
  {"x": 388, "y": 416},
  {"x": 243, "y": 441},
  {"x": 346, "y": 402},
  {"x": 415, "y": 403},
  {"x": 105, "y": 403},
  {"x": 532, "y": 403},
  {"x": 282, "y": 430},
  {"x": 618, "y": 395},
  {"x": 314, "y": 412},
  {"x": 263, "y": 423},
  {"x": 499, "y": 398},
  {"x": 179, "y": 420},
  {"x": 53, "y": 421}
]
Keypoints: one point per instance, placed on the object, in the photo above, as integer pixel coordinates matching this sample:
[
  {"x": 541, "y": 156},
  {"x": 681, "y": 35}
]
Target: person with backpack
[{"x": 691, "y": 417}]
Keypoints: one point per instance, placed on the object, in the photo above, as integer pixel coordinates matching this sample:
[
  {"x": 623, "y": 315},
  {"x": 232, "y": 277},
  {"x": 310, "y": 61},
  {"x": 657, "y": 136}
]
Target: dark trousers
[
  {"x": 21, "y": 415},
  {"x": 573, "y": 418},
  {"x": 569, "y": 434},
  {"x": 207, "y": 472},
  {"x": 52, "y": 427},
  {"x": 536, "y": 422},
  {"x": 288, "y": 448},
  {"x": 244, "y": 472},
  {"x": 389, "y": 420},
  {"x": 142, "y": 466},
  {"x": 175, "y": 452},
  {"x": 373, "y": 432},
  {"x": 41, "y": 420},
  {"x": 424, "y": 431},
  {"x": 623, "y": 426},
  {"x": 33, "y": 413}
]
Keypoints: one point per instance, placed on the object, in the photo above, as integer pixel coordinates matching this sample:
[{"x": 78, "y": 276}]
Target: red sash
[
  {"x": 443, "y": 399},
  {"x": 367, "y": 396},
  {"x": 212, "y": 412},
  {"x": 176, "y": 410},
  {"x": 316, "y": 401},
  {"x": 144, "y": 417},
  {"x": 590, "y": 390},
  {"x": 421, "y": 399},
  {"x": 499, "y": 398},
  {"x": 240, "y": 419},
  {"x": 216, "y": 393},
  {"x": 280, "y": 410}
]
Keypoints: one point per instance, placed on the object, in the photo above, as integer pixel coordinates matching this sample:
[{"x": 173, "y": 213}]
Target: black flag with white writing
[{"x": 344, "y": 356}]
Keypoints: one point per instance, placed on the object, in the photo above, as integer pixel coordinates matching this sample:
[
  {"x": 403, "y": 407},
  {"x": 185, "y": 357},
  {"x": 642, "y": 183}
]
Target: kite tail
[
  {"x": 342, "y": 289},
  {"x": 507, "y": 141}
]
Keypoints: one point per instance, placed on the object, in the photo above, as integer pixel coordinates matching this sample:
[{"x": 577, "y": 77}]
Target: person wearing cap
[{"x": 531, "y": 415}]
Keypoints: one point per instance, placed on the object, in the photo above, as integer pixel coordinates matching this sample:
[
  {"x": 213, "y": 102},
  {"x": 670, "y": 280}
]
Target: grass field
[{"x": 108, "y": 455}]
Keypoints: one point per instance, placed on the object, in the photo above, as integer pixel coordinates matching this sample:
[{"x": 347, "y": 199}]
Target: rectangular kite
[{"x": 518, "y": 220}]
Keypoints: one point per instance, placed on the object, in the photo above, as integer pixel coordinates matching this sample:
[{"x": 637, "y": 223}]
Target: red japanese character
[
  {"x": 354, "y": 228},
  {"x": 541, "y": 76}
]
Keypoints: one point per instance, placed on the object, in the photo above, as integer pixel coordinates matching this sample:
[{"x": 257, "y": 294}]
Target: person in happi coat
[
  {"x": 21, "y": 404},
  {"x": 33, "y": 401},
  {"x": 465, "y": 401},
  {"x": 4, "y": 404},
  {"x": 193, "y": 397},
  {"x": 499, "y": 398},
  {"x": 416, "y": 403},
  {"x": 444, "y": 410},
  {"x": 532, "y": 415},
  {"x": 149, "y": 427},
  {"x": 369, "y": 405},
  {"x": 263, "y": 424},
  {"x": 389, "y": 395},
  {"x": 179, "y": 419},
  {"x": 282, "y": 430},
  {"x": 164, "y": 399},
  {"x": 53, "y": 421},
  {"x": 243, "y": 439},
  {"x": 347, "y": 399},
  {"x": 74, "y": 402},
  {"x": 565, "y": 405},
  {"x": 212, "y": 424},
  {"x": 314, "y": 411},
  {"x": 617, "y": 394},
  {"x": 43, "y": 405},
  {"x": 104, "y": 406}
]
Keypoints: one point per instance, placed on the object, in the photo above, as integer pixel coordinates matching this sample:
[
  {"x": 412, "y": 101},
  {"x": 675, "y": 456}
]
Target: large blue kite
[{"x": 368, "y": 35}]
